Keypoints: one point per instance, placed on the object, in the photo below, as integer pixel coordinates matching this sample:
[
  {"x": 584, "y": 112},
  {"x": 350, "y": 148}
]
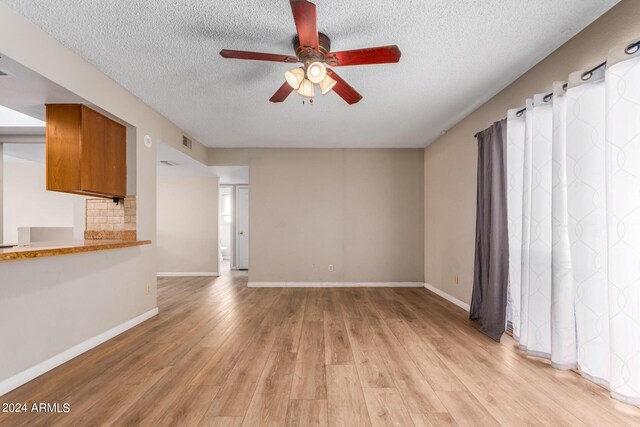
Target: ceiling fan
[{"x": 313, "y": 50}]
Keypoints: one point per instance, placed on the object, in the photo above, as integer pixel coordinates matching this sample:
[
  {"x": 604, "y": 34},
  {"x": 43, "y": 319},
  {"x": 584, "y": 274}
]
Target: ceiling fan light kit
[
  {"x": 316, "y": 72},
  {"x": 313, "y": 50},
  {"x": 294, "y": 77},
  {"x": 306, "y": 89},
  {"x": 327, "y": 84}
]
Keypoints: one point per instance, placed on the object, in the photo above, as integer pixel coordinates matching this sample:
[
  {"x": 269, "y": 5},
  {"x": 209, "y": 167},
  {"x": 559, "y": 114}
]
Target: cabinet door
[
  {"x": 103, "y": 166},
  {"x": 63, "y": 147},
  {"x": 116, "y": 158}
]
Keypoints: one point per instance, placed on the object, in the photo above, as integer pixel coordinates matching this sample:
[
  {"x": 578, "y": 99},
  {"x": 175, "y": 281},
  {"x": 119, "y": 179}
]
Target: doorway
[
  {"x": 233, "y": 230},
  {"x": 242, "y": 227},
  {"x": 226, "y": 228}
]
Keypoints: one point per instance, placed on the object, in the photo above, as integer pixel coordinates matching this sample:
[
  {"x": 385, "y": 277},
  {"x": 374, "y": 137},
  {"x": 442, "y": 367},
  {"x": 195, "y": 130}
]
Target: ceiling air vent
[
  {"x": 186, "y": 142},
  {"x": 3, "y": 73},
  {"x": 168, "y": 163}
]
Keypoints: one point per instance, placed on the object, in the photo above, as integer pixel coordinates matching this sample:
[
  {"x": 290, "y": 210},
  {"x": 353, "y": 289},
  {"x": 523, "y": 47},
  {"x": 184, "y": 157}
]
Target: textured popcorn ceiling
[{"x": 456, "y": 54}]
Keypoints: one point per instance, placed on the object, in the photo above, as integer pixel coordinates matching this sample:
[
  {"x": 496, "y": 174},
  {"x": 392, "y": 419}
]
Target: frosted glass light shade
[
  {"x": 294, "y": 77},
  {"x": 327, "y": 84},
  {"x": 316, "y": 72},
  {"x": 306, "y": 89}
]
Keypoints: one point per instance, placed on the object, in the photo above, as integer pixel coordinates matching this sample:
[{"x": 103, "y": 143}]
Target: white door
[{"x": 242, "y": 212}]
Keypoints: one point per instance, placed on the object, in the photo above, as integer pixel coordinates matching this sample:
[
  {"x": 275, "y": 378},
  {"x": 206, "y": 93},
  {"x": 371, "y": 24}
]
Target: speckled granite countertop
[{"x": 46, "y": 249}]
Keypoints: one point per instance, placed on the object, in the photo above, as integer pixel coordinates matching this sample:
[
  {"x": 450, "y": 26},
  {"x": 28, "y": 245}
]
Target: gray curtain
[{"x": 491, "y": 269}]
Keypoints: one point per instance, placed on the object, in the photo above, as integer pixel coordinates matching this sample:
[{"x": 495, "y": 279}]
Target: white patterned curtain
[
  {"x": 573, "y": 162},
  {"x": 587, "y": 221},
  {"x": 563, "y": 335},
  {"x": 526, "y": 227},
  {"x": 515, "y": 158},
  {"x": 622, "y": 146},
  {"x": 535, "y": 310}
]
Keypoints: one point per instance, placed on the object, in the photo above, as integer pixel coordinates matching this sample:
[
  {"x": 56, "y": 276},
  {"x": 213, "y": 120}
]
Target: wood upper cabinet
[{"x": 86, "y": 152}]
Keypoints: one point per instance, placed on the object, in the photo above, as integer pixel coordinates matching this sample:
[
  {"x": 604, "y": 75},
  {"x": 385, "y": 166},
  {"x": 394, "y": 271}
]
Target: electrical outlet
[
  {"x": 330, "y": 267},
  {"x": 147, "y": 288}
]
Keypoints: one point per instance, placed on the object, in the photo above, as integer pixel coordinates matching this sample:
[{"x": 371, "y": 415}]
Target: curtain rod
[
  {"x": 630, "y": 50},
  {"x": 585, "y": 76}
]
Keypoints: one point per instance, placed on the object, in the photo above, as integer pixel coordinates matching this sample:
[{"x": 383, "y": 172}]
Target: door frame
[
  {"x": 235, "y": 222},
  {"x": 232, "y": 241}
]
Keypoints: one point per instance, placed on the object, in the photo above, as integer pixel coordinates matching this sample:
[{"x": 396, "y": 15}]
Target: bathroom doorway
[
  {"x": 242, "y": 227},
  {"x": 234, "y": 227},
  {"x": 226, "y": 228}
]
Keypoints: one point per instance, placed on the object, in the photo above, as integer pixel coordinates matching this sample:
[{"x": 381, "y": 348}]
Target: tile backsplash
[{"x": 106, "y": 220}]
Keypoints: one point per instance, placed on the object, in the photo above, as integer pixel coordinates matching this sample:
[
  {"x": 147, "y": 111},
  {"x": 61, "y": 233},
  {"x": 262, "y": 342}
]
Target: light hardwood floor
[{"x": 222, "y": 354}]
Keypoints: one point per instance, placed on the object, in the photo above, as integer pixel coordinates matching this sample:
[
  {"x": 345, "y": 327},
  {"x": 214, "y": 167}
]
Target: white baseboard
[
  {"x": 27, "y": 375},
  {"x": 448, "y": 297},
  {"x": 335, "y": 284},
  {"x": 187, "y": 274}
]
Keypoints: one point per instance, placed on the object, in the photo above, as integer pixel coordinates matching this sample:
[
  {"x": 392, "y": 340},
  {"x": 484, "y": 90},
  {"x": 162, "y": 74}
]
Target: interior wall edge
[{"x": 448, "y": 297}]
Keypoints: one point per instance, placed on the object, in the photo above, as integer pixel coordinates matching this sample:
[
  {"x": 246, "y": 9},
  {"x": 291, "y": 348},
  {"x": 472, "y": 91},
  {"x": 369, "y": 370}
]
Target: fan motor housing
[{"x": 307, "y": 54}]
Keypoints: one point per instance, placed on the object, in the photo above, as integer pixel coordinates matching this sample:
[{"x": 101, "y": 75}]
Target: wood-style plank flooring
[{"x": 222, "y": 354}]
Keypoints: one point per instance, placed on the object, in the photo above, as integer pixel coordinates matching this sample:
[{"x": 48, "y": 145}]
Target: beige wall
[
  {"x": 27, "y": 202},
  {"x": 360, "y": 210},
  {"x": 450, "y": 162},
  {"x": 187, "y": 224},
  {"x": 59, "y": 302}
]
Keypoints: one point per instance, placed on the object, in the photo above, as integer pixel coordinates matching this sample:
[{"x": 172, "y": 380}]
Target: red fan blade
[
  {"x": 372, "y": 55},
  {"x": 304, "y": 13},
  {"x": 343, "y": 89},
  {"x": 282, "y": 93},
  {"x": 256, "y": 56}
]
